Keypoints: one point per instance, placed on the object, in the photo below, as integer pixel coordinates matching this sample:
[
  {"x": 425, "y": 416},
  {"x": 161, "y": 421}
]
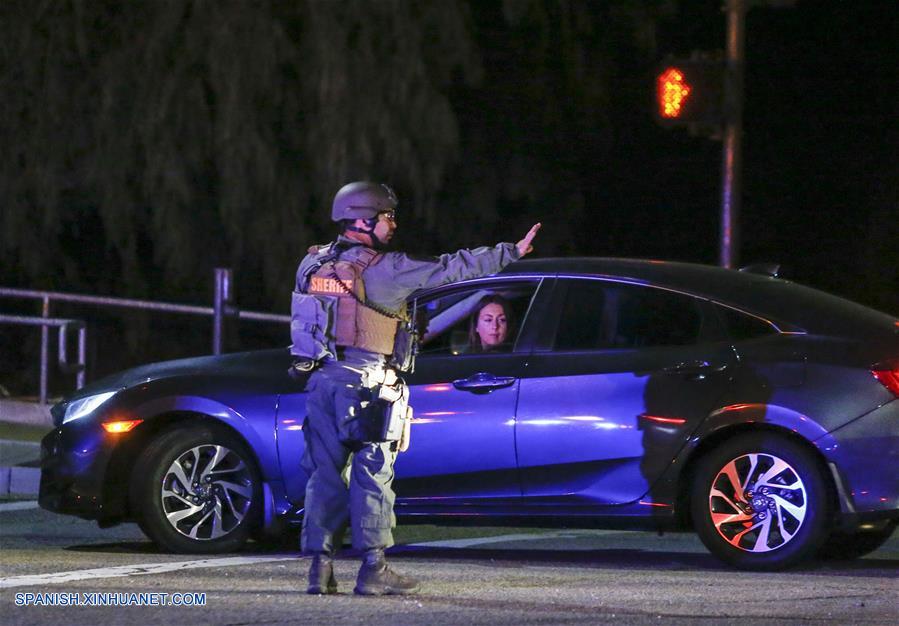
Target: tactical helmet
[{"x": 362, "y": 200}]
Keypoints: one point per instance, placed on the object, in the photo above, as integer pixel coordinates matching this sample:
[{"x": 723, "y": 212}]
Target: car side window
[
  {"x": 478, "y": 319},
  {"x": 598, "y": 315},
  {"x": 741, "y": 326}
]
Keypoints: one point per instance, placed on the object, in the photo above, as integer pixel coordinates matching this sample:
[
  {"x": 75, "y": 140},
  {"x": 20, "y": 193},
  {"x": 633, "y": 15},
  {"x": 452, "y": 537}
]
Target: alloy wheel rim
[
  {"x": 758, "y": 502},
  {"x": 207, "y": 492}
]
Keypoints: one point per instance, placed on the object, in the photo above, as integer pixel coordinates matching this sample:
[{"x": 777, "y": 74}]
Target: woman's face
[{"x": 492, "y": 326}]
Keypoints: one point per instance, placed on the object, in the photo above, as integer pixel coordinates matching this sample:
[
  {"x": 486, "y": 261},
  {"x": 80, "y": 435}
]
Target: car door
[
  {"x": 621, "y": 376},
  {"x": 463, "y": 431}
]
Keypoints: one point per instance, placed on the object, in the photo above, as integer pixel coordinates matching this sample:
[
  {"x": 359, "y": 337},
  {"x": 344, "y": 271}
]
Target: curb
[{"x": 19, "y": 481}]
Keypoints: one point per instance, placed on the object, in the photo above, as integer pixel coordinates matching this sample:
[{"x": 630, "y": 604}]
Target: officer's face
[
  {"x": 492, "y": 326},
  {"x": 385, "y": 226}
]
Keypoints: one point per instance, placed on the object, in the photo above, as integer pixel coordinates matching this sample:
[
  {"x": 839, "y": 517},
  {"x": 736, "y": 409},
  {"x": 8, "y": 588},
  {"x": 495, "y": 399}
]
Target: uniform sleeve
[{"x": 392, "y": 280}]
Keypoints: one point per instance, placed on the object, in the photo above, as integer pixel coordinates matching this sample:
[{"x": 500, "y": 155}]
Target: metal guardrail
[
  {"x": 79, "y": 368},
  {"x": 222, "y": 308}
]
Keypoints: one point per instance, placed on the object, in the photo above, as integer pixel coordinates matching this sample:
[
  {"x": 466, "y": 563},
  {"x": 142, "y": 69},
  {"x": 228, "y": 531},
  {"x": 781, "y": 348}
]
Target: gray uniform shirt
[
  {"x": 389, "y": 282},
  {"x": 397, "y": 276}
]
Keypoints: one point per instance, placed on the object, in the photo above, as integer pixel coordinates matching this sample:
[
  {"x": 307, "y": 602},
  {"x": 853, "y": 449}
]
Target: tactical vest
[{"x": 332, "y": 311}]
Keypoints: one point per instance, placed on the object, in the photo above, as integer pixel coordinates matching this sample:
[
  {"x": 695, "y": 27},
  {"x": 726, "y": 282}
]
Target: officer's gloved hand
[{"x": 524, "y": 246}]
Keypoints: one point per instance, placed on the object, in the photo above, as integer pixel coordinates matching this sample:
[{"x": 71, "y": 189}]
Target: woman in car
[{"x": 490, "y": 324}]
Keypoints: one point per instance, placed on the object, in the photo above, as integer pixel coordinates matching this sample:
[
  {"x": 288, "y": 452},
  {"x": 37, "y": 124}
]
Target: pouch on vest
[
  {"x": 310, "y": 320},
  {"x": 405, "y": 346}
]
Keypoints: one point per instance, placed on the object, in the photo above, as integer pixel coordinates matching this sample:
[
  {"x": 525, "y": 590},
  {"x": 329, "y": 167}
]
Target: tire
[
  {"x": 777, "y": 517},
  {"x": 845, "y": 546},
  {"x": 214, "y": 513}
]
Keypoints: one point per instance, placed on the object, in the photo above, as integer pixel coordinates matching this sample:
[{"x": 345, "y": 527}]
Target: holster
[
  {"x": 382, "y": 413},
  {"x": 396, "y": 400}
]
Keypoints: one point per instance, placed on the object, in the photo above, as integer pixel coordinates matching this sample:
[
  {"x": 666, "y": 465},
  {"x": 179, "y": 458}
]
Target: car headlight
[{"x": 85, "y": 406}]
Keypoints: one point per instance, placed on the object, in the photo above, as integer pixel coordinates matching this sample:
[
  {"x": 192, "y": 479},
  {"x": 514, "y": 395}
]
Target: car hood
[{"x": 238, "y": 363}]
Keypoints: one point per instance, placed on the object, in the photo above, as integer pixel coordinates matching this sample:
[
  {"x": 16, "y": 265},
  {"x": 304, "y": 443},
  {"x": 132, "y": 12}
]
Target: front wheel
[
  {"x": 760, "y": 502},
  {"x": 197, "y": 490}
]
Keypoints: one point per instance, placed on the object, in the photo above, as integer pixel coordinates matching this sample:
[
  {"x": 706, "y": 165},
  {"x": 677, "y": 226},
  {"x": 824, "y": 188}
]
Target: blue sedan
[{"x": 627, "y": 394}]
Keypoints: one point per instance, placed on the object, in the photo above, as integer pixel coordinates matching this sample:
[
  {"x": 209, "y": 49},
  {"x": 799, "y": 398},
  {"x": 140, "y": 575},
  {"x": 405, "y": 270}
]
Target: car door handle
[{"x": 482, "y": 381}]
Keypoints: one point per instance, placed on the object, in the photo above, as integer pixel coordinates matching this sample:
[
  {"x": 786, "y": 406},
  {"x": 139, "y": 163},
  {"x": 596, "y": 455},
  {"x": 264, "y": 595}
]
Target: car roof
[
  {"x": 649, "y": 270},
  {"x": 792, "y": 305},
  {"x": 706, "y": 280}
]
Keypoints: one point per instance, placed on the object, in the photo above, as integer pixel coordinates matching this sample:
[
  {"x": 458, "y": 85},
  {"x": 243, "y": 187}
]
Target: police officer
[{"x": 349, "y": 324}]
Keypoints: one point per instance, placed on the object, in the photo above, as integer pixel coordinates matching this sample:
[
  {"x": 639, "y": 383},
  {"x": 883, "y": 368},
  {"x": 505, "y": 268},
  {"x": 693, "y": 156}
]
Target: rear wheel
[
  {"x": 197, "y": 490},
  {"x": 845, "y": 546},
  {"x": 760, "y": 502}
]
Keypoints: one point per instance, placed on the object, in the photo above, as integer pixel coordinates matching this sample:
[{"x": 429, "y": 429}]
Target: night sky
[
  {"x": 821, "y": 182},
  {"x": 535, "y": 128}
]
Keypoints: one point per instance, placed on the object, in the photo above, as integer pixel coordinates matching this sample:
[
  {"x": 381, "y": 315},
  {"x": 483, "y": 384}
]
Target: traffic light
[{"x": 690, "y": 91}]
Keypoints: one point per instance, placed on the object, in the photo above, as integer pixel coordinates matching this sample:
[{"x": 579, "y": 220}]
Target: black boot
[
  {"x": 321, "y": 575},
  {"x": 377, "y": 579}
]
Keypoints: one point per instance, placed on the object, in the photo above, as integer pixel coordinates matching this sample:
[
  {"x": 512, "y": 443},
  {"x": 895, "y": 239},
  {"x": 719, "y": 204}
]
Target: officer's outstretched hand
[{"x": 524, "y": 246}]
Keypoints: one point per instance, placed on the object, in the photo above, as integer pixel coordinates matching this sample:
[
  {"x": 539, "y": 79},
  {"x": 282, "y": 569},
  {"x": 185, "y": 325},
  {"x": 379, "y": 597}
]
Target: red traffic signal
[
  {"x": 690, "y": 91},
  {"x": 672, "y": 92}
]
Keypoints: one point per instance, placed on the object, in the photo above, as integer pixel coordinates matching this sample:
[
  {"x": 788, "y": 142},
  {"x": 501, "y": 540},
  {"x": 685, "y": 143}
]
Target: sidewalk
[{"x": 21, "y": 426}]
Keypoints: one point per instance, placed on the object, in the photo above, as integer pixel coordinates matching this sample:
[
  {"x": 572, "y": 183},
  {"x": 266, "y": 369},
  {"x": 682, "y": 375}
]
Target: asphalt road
[{"x": 469, "y": 576}]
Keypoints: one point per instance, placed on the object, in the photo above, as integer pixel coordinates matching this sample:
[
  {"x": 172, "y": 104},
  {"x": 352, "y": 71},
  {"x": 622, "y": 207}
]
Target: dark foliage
[{"x": 147, "y": 143}]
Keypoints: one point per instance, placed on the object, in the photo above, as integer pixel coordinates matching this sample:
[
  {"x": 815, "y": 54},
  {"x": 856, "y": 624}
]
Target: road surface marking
[
  {"x": 18, "y": 506},
  {"x": 133, "y": 570}
]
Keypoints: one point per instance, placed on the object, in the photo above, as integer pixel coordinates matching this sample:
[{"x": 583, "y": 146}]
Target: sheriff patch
[{"x": 323, "y": 285}]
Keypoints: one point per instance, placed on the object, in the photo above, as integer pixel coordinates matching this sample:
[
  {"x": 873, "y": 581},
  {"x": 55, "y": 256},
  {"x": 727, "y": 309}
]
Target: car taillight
[{"x": 888, "y": 374}]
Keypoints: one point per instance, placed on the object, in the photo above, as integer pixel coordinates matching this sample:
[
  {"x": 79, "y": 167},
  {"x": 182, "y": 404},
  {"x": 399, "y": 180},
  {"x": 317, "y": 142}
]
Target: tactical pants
[{"x": 343, "y": 483}]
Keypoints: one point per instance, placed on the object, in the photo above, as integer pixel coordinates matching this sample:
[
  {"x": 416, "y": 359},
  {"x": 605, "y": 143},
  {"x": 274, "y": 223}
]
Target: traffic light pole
[{"x": 731, "y": 188}]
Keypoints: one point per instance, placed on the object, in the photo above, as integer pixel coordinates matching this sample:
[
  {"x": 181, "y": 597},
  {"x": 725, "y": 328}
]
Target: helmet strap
[{"x": 369, "y": 230}]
